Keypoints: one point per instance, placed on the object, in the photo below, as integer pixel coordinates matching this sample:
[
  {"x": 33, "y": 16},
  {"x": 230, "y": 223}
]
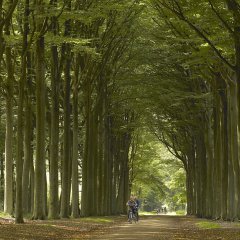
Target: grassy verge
[
  {"x": 141, "y": 213},
  {"x": 181, "y": 212},
  {"x": 208, "y": 225},
  {"x": 4, "y": 215}
]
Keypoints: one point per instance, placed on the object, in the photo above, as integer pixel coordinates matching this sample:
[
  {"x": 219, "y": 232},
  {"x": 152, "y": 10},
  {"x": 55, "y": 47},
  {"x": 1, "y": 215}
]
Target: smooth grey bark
[
  {"x": 28, "y": 158},
  {"x": 28, "y": 125},
  {"x": 66, "y": 149},
  {"x": 86, "y": 165},
  {"x": 8, "y": 187},
  {"x": 209, "y": 153},
  {"x": 191, "y": 178},
  {"x": 54, "y": 131},
  {"x": 66, "y": 164},
  {"x": 230, "y": 193},
  {"x": 216, "y": 214},
  {"x": 19, "y": 159},
  {"x": 54, "y": 142},
  {"x": 75, "y": 155},
  {"x": 101, "y": 167},
  {"x": 234, "y": 148},
  {"x": 39, "y": 210},
  {"x": 20, "y": 125},
  {"x": 31, "y": 196},
  {"x": 84, "y": 199},
  {"x": 225, "y": 158}
]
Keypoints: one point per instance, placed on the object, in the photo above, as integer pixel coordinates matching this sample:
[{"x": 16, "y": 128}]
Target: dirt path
[
  {"x": 169, "y": 228},
  {"x": 109, "y": 228}
]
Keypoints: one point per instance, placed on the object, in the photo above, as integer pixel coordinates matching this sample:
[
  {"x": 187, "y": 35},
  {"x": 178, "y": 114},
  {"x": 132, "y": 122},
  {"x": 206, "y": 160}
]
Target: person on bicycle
[{"x": 131, "y": 206}]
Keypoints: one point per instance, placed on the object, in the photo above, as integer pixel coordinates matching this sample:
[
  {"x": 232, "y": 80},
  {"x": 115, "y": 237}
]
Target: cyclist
[{"x": 131, "y": 206}]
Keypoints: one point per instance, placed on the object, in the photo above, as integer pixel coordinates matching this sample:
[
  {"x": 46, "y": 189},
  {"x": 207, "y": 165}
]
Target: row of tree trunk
[
  {"x": 211, "y": 153},
  {"x": 213, "y": 166},
  {"x": 72, "y": 146}
]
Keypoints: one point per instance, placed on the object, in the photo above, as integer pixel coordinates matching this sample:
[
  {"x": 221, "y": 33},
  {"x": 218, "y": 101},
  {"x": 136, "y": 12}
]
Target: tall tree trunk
[
  {"x": 191, "y": 204},
  {"x": 54, "y": 141},
  {"x": 107, "y": 165},
  {"x": 233, "y": 6},
  {"x": 101, "y": 168},
  {"x": 194, "y": 180},
  {"x": 234, "y": 148},
  {"x": 225, "y": 158},
  {"x": 127, "y": 141},
  {"x": 54, "y": 144},
  {"x": 28, "y": 129},
  {"x": 115, "y": 176},
  {"x": 19, "y": 159},
  {"x": 20, "y": 138},
  {"x": 66, "y": 178},
  {"x": 31, "y": 202},
  {"x": 188, "y": 192},
  {"x": 75, "y": 156},
  {"x": 217, "y": 158},
  {"x": 94, "y": 162},
  {"x": 39, "y": 210},
  {"x": 66, "y": 152},
  {"x": 86, "y": 164},
  {"x": 28, "y": 126},
  {"x": 8, "y": 189}
]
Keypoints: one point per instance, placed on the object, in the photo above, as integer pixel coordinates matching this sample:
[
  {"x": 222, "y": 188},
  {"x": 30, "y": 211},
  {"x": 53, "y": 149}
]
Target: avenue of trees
[{"x": 80, "y": 79}]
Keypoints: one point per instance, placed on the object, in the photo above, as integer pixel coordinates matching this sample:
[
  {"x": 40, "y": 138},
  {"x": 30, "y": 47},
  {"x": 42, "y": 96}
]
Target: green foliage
[
  {"x": 13, "y": 41},
  {"x": 158, "y": 177},
  {"x": 51, "y": 39},
  {"x": 176, "y": 197}
]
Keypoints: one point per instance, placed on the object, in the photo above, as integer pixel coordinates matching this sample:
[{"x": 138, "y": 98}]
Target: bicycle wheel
[
  {"x": 134, "y": 218},
  {"x": 130, "y": 217},
  {"x": 137, "y": 216}
]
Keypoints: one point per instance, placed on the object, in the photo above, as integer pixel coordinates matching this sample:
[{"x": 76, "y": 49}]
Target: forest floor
[
  {"x": 81, "y": 228},
  {"x": 160, "y": 227}
]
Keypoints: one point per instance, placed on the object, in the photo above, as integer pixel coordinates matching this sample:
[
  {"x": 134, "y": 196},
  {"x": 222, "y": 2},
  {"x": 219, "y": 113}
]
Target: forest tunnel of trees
[{"x": 83, "y": 83}]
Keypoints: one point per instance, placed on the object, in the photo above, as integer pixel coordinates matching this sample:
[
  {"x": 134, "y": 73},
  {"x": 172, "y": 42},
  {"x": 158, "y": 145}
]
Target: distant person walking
[{"x": 165, "y": 210}]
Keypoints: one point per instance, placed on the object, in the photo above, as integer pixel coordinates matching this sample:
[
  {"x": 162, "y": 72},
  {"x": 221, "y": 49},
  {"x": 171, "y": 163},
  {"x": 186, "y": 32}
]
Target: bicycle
[{"x": 132, "y": 217}]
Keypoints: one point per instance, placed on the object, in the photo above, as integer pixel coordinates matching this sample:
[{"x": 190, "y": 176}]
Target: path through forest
[
  {"x": 159, "y": 227},
  {"x": 172, "y": 228}
]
